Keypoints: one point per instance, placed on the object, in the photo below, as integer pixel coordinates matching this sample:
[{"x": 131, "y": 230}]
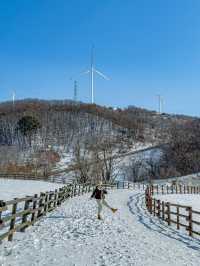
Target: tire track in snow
[{"x": 137, "y": 207}]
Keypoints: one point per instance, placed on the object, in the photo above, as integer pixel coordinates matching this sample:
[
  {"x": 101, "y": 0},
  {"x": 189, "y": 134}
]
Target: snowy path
[{"x": 72, "y": 236}]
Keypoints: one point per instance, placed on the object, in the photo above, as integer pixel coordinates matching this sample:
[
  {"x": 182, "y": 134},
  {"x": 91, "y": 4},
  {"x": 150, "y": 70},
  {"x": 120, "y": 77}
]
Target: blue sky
[{"x": 145, "y": 47}]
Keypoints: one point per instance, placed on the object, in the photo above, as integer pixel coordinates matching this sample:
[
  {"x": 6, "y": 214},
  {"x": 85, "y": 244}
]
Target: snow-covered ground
[
  {"x": 190, "y": 200},
  {"x": 10, "y": 188},
  {"x": 192, "y": 180},
  {"x": 72, "y": 236}
]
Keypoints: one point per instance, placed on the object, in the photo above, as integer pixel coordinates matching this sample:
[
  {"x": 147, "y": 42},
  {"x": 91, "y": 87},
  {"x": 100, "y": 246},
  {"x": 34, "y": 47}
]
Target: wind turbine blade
[
  {"x": 85, "y": 72},
  {"x": 79, "y": 74},
  {"x": 101, "y": 74}
]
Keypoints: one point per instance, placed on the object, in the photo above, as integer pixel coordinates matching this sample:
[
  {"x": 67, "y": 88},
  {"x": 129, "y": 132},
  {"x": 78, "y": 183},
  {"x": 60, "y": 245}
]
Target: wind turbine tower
[
  {"x": 160, "y": 103},
  {"x": 13, "y": 98},
  {"x": 92, "y": 71},
  {"x": 75, "y": 90}
]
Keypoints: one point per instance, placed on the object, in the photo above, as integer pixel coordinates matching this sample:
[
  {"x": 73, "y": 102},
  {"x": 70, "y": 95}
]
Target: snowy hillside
[
  {"x": 72, "y": 236},
  {"x": 10, "y": 188}
]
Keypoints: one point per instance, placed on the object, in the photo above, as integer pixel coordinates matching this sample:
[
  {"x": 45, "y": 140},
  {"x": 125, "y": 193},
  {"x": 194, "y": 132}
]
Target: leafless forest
[{"x": 35, "y": 133}]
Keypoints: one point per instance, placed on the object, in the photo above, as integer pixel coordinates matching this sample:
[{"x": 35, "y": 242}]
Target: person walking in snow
[{"x": 99, "y": 195}]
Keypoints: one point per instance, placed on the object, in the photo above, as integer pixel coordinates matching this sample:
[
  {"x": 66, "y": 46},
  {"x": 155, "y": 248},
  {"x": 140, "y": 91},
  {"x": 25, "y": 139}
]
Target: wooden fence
[
  {"x": 19, "y": 213},
  {"x": 23, "y": 176},
  {"x": 173, "y": 189},
  {"x": 180, "y": 215}
]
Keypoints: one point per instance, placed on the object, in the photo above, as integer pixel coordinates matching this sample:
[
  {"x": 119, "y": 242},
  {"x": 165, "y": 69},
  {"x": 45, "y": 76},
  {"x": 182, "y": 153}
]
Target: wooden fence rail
[{"x": 180, "y": 215}]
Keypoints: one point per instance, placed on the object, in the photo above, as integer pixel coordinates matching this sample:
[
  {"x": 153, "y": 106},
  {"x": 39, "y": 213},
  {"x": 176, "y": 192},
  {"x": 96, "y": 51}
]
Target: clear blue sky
[{"x": 146, "y": 47}]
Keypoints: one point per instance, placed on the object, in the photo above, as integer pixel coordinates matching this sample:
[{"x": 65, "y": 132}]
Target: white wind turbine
[
  {"x": 92, "y": 72},
  {"x": 160, "y": 103},
  {"x": 13, "y": 98}
]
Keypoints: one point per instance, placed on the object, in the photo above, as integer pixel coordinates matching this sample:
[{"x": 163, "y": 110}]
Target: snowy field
[
  {"x": 189, "y": 180},
  {"x": 10, "y": 188},
  {"x": 191, "y": 200},
  {"x": 72, "y": 236}
]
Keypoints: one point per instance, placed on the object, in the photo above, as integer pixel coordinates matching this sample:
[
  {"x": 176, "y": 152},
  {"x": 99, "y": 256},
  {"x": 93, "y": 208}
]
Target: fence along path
[
  {"x": 180, "y": 215},
  {"x": 20, "y": 213}
]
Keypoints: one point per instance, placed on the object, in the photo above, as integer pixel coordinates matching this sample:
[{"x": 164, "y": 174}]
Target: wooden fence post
[
  {"x": 163, "y": 210},
  {"x": 154, "y": 207},
  {"x": 178, "y": 218},
  {"x": 75, "y": 190},
  {"x": 147, "y": 200},
  {"x": 0, "y": 214},
  {"x": 46, "y": 202},
  {"x": 24, "y": 216},
  {"x": 151, "y": 204},
  {"x": 190, "y": 227},
  {"x": 55, "y": 198},
  {"x": 71, "y": 191},
  {"x": 88, "y": 186},
  {"x": 168, "y": 213},
  {"x": 59, "y": 197},
  {"x": 33, "y": 217},
  {"x": 40, "y": 212},
  {"x": 12, "y": 221},
  {"x": 65, "y": 193},
  {"x": 158, "y": 208},
  {"x": 152, "y": 191},
  {"x": 49, "y": 201}
]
